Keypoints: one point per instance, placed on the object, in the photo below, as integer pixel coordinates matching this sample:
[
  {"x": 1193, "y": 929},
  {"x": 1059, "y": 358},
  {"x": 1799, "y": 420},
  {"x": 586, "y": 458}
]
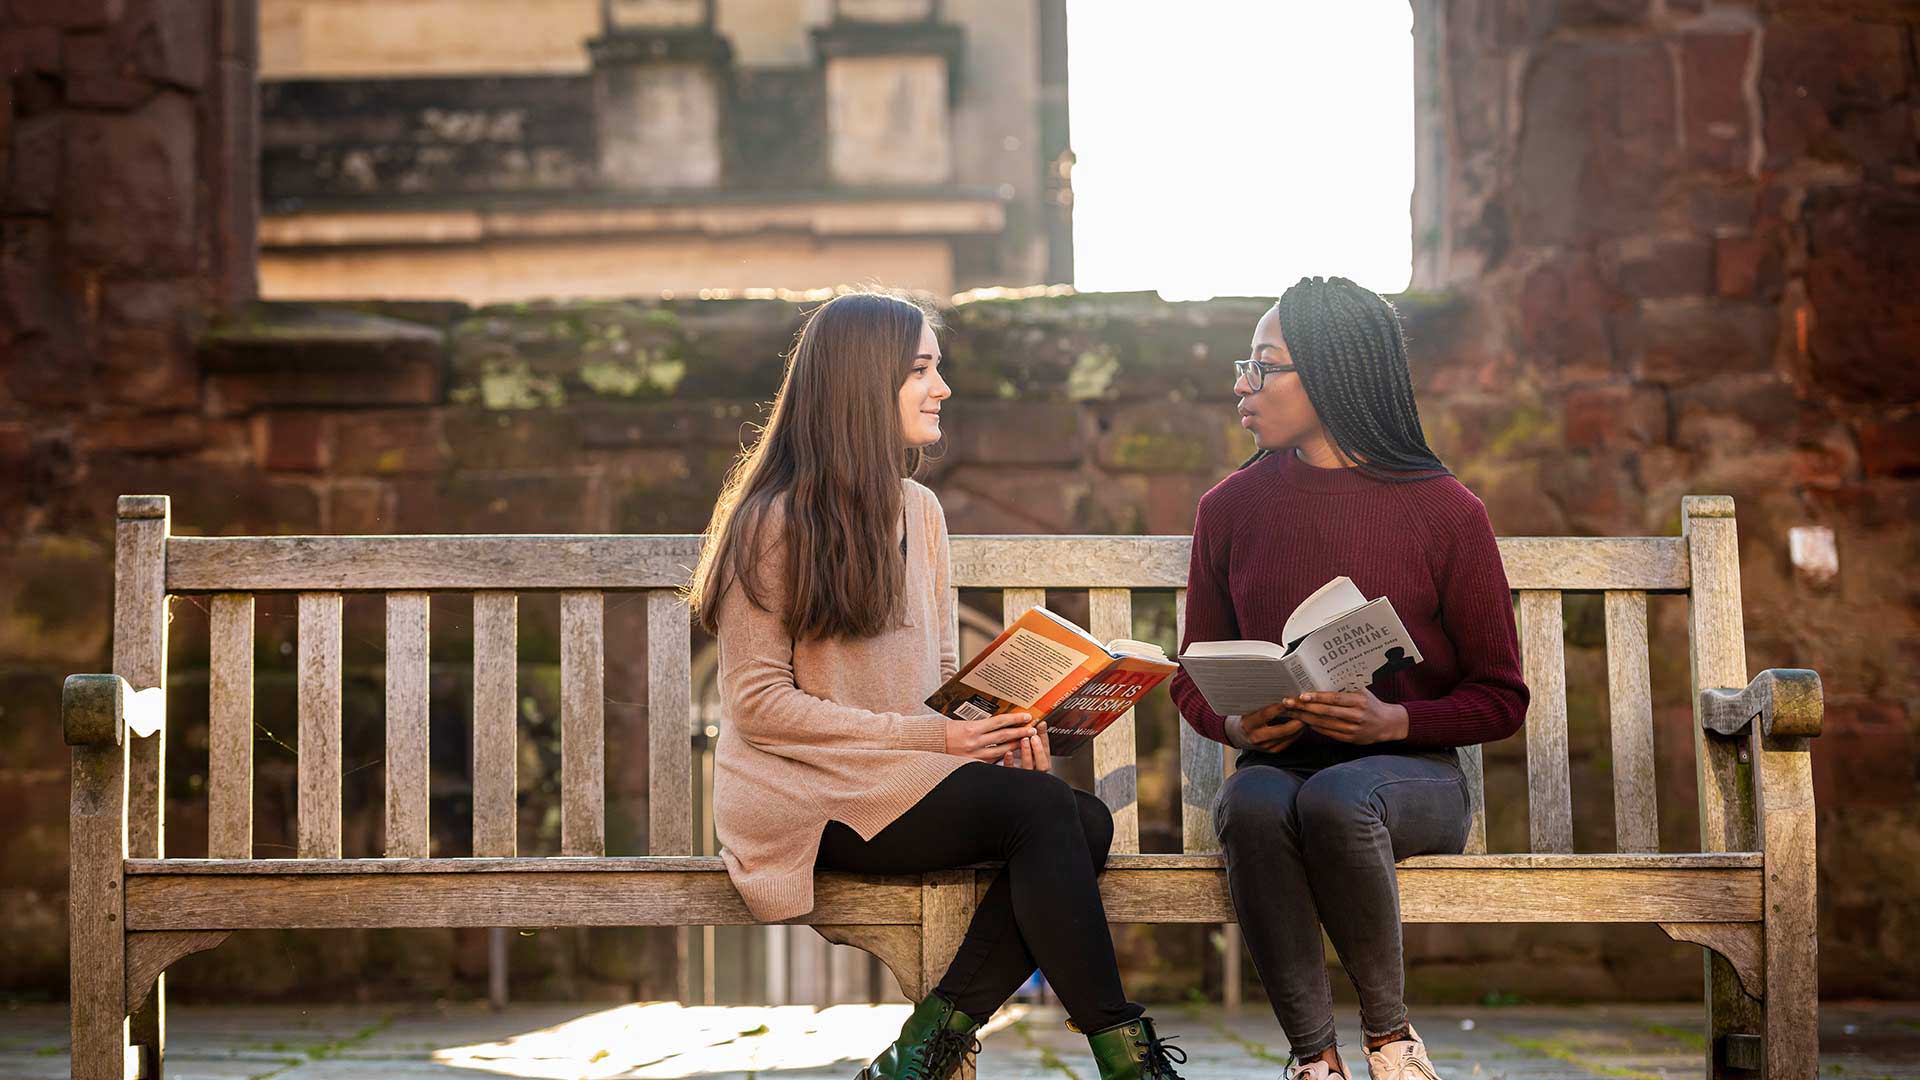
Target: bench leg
[
  {"x": 947, "y": 902},
  {"x": 1783, "y": 777},
  {"x": 96, "y": 910}
]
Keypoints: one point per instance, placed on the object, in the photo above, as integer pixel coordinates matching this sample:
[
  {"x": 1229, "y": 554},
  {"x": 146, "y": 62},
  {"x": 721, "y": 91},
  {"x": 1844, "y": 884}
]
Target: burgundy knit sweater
[{"x": 1269, "y": 535}]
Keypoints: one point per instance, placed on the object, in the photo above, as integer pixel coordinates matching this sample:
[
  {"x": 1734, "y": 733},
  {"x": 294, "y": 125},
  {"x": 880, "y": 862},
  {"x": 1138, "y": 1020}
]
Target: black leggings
[{"x": 1044, "y": 911}]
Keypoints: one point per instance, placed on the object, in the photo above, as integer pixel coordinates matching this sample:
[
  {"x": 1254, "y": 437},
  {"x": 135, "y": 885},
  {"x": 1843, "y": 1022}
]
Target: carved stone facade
[{"x": 680, "y": 146}]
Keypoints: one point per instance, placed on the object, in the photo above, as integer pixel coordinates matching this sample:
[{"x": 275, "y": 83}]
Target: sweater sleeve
[
  {"x": 1209, "y": 618},
  {"x": 764, "y": 704},
  {"x": 943, "y": 600},
  {"x": 1476, "y": 611}
]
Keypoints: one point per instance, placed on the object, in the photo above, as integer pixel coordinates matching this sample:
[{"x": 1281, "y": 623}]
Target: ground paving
[{"x": 665, "y": 1041}]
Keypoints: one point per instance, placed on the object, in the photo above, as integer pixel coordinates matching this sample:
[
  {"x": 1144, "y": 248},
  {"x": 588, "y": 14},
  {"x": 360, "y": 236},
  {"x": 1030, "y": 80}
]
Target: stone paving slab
[{"x": 667, "y": 1041}]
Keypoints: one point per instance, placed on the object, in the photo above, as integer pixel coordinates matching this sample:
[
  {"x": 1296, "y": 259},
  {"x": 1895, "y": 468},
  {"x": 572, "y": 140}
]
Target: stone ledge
[{"x": 282, "y": 354}]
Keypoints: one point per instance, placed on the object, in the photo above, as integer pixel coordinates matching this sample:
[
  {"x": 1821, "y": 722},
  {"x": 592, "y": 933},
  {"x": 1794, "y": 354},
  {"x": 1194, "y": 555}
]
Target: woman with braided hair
[{"x": 1332, "y": 788}]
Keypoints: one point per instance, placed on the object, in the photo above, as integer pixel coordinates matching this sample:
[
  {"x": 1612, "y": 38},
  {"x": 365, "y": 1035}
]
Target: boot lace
[
  {"x": 1161, "y": 1058},
  {"x": 943, "y": 1053}
]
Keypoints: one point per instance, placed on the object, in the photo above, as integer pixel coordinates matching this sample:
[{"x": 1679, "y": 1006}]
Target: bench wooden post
[
  {"x": 92, "y": 708},
  {"x": 1718, "y": 650},
  {"x": 140, "y": 657}
]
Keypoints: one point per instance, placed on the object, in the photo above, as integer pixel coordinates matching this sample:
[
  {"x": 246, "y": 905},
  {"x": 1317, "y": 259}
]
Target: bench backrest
[{"x": 153, "y": 566}]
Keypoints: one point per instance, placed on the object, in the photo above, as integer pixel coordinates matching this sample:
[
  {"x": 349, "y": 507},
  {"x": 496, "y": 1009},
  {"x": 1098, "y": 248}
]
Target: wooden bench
[{"x": 1747, "y": 896}]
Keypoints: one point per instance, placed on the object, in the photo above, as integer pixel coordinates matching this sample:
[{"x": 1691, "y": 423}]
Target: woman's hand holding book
[
  {"x": 1356, "y": 717},
  {"x": 991, "y": 739},
  {"x": 1272, "y": 729}
]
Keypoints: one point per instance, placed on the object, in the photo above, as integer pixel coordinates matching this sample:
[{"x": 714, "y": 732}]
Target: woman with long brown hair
[{"x": 825, "y": 578}]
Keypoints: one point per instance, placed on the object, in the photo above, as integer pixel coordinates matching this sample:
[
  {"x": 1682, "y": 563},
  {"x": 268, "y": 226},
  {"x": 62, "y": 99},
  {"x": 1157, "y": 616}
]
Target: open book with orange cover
[{"x": 1045, "y": 665}]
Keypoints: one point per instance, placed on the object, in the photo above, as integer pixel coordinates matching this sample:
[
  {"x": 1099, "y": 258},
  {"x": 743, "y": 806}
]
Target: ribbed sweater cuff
[{"x": 923, "y": 733}]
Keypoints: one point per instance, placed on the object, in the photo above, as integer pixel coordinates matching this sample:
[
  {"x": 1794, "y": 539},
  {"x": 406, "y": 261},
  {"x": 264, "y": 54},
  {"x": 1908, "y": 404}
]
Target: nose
[
  {"x": 941, "y": 391},
  {"x": 1240, "y": 387}
]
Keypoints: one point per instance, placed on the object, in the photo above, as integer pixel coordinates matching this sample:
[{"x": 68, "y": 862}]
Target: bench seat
[{"x": 239, "y": 894}]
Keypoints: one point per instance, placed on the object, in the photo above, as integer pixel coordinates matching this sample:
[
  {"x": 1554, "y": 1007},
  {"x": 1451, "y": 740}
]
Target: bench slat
[
  {"x": 700, "y": 864},
  {"x": 230, "y": 727},
  {"x": 525, "y": 562},
  {"x": 617, "y": 898},
  {"x": 495, "y": 722},
  {"x": 1015, "y": 602},
  {"x": 1115, "y": 767},
  {"x": 1202, "y": 764},
  {"x": 408, "y": 761},
  {"x": 1472, "y": 895},
  {"x": 318, "y": 808},
  {"x": 1473, "y": 766},
  {"x": 1133, "y": 892},
  {"x": 669, "y": 725},
  {"x": 583, "y": 781},
  {"x": 1543, "y": 658},
  {"x": 1636, "y": 823}
]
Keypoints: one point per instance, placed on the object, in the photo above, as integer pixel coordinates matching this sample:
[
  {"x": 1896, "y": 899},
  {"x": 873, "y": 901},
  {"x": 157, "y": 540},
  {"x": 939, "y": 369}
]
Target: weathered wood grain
[
  {"x": 1473, "y": 767},
  {"x": 583, "y": 771},
  {"x": 525, "y": 562},
  {"x": 948, "y": 899},
  {"x": 1543, "y": 658},
  {"x": 150, "y": 954},
  {"x": 669, "y": 726},
  {"x": 230, "y": 727},
  {"x": 140, "y": 618},
  {"x": 701, "y": 864},
  {"x": 496, "y": 728},
  {"x": 1636, "y": 822},
  {"x": 1737, "y": 943},
  {"x": 1202, "y": 764},
  {"x": 1783, "y": 789},
  {"x": 1476, "y": 894},
  {"x": 319, "y": 724},
  {"x": 1718, "y": 654},
  {"x": 515, "y": 563},
  {"x": 1115, "y": 755},
  {"x": 898, "y": 947},
  {"x": 409, "y": 725},
  {"x": 96, "y": 854},
  {"x": 610, "y": 898}
]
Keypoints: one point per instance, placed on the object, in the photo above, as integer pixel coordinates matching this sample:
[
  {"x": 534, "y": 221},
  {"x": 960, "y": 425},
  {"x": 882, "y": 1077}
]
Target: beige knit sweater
[{"x": 816, "y": 731}]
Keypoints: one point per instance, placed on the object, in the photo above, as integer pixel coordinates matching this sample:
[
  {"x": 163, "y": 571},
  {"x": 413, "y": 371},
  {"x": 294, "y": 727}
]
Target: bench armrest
[
  {"x": 97, "y": 710},
  {"x": 1786, "y": 702}
]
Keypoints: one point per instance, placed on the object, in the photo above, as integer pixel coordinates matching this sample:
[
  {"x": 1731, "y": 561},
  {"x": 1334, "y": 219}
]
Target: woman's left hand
[
  {"x": 1030, "y": 752},
  {"x": 1357, "y": 717}
]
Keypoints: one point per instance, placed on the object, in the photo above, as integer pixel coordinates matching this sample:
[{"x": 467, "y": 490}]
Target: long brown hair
[{"x": 827, "y": 469}]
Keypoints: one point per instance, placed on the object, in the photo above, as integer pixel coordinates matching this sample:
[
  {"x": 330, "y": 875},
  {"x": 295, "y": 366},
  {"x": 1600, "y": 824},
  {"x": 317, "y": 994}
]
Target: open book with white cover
[{"x": 1338, "y": 640}]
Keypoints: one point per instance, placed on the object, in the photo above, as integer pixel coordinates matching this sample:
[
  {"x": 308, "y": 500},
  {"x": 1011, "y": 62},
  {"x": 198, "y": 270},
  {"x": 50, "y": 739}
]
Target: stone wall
[
  {"x": 1684, "y": 236},
  {"x": 1075, "y": 414}
]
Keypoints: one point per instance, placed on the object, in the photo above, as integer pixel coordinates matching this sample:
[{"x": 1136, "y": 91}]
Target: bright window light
[{"x": 1229, "y": 147}]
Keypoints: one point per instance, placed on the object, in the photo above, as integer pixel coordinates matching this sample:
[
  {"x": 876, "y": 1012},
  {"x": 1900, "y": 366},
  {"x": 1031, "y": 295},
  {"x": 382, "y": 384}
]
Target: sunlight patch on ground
[{"x": 668, "y": 1041}]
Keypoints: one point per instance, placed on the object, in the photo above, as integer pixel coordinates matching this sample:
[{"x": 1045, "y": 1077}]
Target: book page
[
  {"x": 1023, "y": 667},
  {"x": 1328, "y": 602},
  {"x": 1241, "y": 684}
]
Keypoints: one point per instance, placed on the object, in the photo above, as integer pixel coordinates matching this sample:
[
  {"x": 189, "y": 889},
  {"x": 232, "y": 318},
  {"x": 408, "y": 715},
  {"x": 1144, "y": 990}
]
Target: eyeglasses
[{"x": 1256, "y": 372}]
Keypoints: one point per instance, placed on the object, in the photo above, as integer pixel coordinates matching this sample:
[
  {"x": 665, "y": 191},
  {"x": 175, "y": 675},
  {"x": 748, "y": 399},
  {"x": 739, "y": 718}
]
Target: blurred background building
[{"x": 490, "y": 150}]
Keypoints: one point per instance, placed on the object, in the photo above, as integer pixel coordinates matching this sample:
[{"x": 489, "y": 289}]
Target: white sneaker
[
  {"x": 1318, "y": 1070},
  {"x": 1402, "y": 1059}
]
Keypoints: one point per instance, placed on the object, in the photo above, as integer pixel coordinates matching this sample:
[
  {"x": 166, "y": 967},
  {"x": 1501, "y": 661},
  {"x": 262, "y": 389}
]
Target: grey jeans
[{"x": 1309, "y": 846}]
